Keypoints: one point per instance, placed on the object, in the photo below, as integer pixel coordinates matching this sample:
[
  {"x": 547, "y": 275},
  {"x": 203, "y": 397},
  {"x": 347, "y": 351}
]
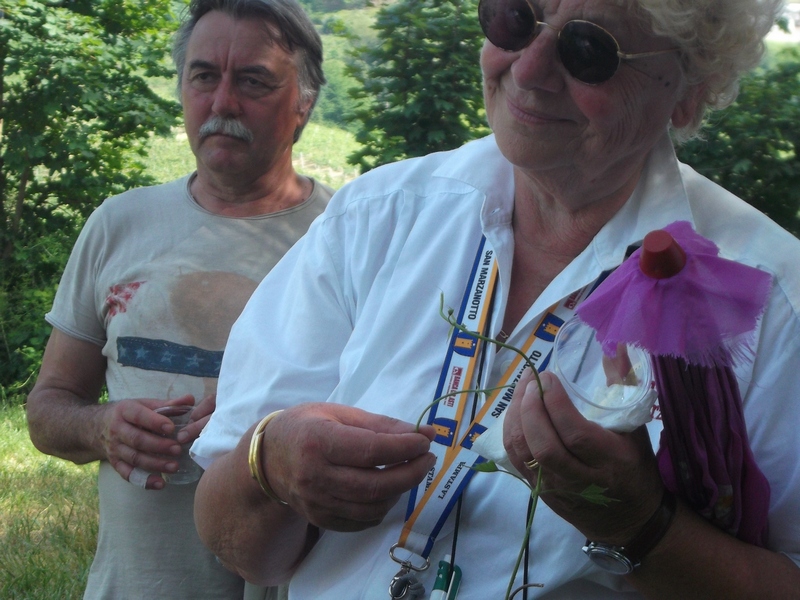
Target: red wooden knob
[{"x": 661, "y": 255}]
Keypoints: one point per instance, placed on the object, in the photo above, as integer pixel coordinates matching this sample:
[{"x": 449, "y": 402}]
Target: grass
[{"x": 48, "y": 518}]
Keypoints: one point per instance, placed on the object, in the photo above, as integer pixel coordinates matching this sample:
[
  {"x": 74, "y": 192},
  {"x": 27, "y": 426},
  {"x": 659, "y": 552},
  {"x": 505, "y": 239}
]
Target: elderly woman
[{"x": 316, "y": 473}]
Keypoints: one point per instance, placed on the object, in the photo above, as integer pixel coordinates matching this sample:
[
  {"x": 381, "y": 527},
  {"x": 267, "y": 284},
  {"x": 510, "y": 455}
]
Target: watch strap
[
  {"x": 640, "y": 546},
  {"x": 652, "y": 532}
]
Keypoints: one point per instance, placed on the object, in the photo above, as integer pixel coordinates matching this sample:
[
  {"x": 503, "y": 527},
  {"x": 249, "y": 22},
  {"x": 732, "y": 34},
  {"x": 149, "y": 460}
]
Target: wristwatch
[{"x": 622, "y": 560}]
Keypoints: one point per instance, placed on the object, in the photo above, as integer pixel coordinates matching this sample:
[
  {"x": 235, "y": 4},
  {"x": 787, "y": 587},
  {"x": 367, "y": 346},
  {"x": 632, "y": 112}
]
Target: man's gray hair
[{"x": 296, "y": 35}]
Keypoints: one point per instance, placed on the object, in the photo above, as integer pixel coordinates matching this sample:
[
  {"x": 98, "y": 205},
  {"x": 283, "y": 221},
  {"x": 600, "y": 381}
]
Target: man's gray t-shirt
[{"x": 157, "y": 281}]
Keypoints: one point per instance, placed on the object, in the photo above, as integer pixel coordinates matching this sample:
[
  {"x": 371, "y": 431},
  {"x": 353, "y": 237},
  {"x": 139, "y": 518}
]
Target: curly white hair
[{"x": 719, "y": 41}]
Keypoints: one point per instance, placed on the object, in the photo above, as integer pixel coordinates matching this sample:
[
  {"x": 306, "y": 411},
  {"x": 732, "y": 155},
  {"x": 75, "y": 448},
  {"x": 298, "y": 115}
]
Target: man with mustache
[{"x": 155, "y": 281}]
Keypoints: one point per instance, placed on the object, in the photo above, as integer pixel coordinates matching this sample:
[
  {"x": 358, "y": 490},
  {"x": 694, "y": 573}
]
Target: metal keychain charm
[{"x": 404, "y": 584}]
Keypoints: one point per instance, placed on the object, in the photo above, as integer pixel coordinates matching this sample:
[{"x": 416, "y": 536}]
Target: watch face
[{"x": 609, "y": 559}]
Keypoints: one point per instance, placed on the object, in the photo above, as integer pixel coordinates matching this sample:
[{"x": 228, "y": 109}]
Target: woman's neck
[{"x": 549, "y": 232}]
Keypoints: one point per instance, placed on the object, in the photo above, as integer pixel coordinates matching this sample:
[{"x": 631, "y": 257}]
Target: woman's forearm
[
  {"x": 697, "y": 560},
  {"x": 251, "y": 534}
]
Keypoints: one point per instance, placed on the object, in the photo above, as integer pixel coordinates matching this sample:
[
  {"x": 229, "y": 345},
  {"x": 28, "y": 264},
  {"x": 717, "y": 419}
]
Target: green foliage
[
  {"x": 421, "y": 84},
  {"x": 751, "y": 148},
  {"x": 333, "y": 105},
  {"x": 332, "y": 5},
  {"x": 76, "y": 115},
  {"x": 320, "y": 154},
  {"x": 340, "y": 30}
]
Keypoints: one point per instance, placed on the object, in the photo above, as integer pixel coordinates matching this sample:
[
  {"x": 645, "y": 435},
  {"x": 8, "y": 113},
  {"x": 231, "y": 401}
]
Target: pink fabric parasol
[
  {"x": 716, "y": 472},
  {"x": 695, "y": 313},
  {"x": 705, "y": 313}
]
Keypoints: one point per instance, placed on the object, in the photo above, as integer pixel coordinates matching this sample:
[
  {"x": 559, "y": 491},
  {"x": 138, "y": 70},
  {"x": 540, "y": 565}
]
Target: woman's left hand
[{"x": 573, "y": 454}]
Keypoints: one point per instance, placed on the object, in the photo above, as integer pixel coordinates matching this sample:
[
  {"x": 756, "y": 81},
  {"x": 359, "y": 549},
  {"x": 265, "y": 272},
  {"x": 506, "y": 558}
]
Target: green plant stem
[
  {"x": 456, "y": 393},
  {"x": 593, "y": 493},
  {"x": 535, "y": 491},
  {"x": 450, "y": 318}
]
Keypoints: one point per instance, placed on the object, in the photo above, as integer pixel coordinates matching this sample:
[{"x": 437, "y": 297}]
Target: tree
[
  {"x": 421, "y": 85},
  {"x": 334, "y": 104},
  {"x": 751, "y": 148},
  {"x": 76, "y": 112}
]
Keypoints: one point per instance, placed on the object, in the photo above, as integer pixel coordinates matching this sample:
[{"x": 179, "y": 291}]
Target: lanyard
[{"x": 431, "y": 502}]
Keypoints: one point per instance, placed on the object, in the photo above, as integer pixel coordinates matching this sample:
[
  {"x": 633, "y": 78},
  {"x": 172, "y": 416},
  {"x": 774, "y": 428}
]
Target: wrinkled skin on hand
[
  {"x": 574, "y": 453},
  {"x": 132, "y": 435},
  {"x": 340, "y": 467}
]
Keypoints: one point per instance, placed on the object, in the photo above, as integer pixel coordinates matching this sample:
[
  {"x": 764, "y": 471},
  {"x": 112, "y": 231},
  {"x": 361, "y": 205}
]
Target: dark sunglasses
[{"x": 588, "y": 52}]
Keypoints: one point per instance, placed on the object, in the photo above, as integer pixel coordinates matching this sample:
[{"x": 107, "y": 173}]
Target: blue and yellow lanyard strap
[{"x": 431, "y": 502}]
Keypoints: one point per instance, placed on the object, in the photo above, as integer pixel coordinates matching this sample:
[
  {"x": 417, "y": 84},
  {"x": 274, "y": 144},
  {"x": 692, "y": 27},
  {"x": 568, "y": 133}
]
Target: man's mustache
[{"x": 230, "y": 127}]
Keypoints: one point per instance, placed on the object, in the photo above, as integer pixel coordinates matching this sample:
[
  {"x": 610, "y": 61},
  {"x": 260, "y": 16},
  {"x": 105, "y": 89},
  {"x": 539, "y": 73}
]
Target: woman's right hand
[
  {"x": 574, "y": 454},
  {"x": 340, "y": 467}
]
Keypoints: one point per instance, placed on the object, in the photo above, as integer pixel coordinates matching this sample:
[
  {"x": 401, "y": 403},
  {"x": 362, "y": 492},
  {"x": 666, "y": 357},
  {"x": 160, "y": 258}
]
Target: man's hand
[
  {"x": 200, "y": 416},
  {"x": 65, "y": 418},
  {"x": 132, "y": 434},
  {"x": 340, "y": 467}
]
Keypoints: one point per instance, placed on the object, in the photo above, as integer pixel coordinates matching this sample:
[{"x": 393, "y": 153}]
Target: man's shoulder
[
  {"x": 733, "y": 223},
  {"x": 322, "y": 191},
  {"x": 460, "y": 164},
  {"x": 152, "y": 193},
  {"x": 156, "y": 201}
]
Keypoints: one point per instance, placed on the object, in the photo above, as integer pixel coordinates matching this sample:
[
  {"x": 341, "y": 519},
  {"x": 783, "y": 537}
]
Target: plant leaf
[
  {"x": 485, "y": 467},
  {"x": 596, "y": 495}
]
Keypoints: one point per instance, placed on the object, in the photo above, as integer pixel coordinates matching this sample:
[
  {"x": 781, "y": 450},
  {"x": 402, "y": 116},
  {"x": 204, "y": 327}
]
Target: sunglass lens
[
  {"x": 508, "y": 24},
  {"x": 588, "y": 52}
]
